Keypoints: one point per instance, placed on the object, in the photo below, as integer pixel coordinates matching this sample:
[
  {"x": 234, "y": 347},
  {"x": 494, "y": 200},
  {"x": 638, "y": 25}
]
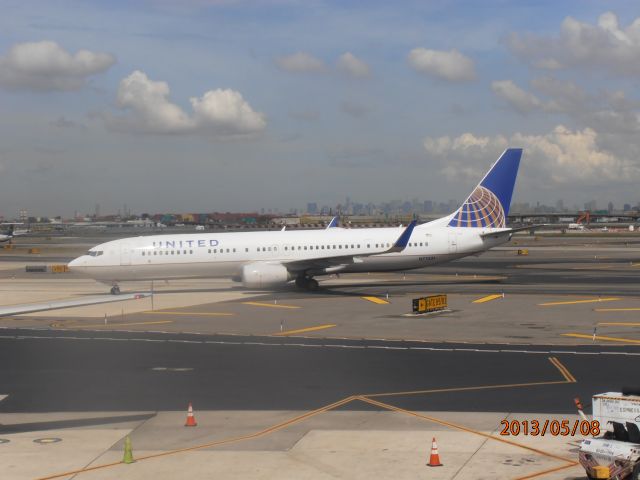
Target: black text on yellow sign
[{"x": 431, "y": 303}]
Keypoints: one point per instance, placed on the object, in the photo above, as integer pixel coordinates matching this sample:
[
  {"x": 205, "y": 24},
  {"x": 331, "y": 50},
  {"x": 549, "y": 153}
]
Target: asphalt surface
[{"x": 47, "y": 371}]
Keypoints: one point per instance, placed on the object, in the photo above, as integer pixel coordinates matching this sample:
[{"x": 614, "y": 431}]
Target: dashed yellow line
[
  {"x": 271, "y": 305},
  {"x": 575, "y": 302},
  {"x": 379, "y": 301},
  {"x": 563, "y": 370},
  {"x": 302, "y": 330},
  {"x": 631, "y": 309},
  {"x": 191, "y": 314},
  {"x": 488, "y": 298},
  {"x": 599, "y": 337}
]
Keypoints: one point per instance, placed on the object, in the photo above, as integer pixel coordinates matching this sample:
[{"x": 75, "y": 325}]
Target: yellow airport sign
[{"x": 432, "y": 303}]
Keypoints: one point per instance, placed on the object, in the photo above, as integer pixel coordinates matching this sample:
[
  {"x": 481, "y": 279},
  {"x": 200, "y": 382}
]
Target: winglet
[
  {"x": 403, "y": 239},
  {"x": 333, "y": 223}
]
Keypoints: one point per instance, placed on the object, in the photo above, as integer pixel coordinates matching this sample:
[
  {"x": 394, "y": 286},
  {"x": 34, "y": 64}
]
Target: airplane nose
[{"x": 75, "y": 263}]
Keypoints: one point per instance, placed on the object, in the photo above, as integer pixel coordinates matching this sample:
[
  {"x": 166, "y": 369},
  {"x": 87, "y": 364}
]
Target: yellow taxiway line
[
  {"x": 620, "y": 324},
  {"x": 194, "y": 314},
  {"x": 575, "y": 302},
  {"x": 379, "y": 301},
  {"x": 631, "y": 309},
  {"x": 462, "y": 428},
  {"x": 488, "y": 298},
  {"x": 272, "y": 305},
  {"x": 563, "y": 370},
  {"x": 332, "y": 406},
  {"x": 76, "y": 325},
  {"x": 302, "y": 330},
  {"x": 599, "y": 337}
]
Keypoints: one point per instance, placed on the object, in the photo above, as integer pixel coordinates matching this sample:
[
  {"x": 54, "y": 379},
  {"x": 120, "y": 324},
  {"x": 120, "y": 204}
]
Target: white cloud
[
  {"x": 521, "y": 100},
  {"x": 353, "y": 66},
  {"x": 301, "y": 62},
  {"x": 562, "y": 156},
  {"x": 603, "y": 46},
  {"x": 451, "y": 65},
  {"x": 47, "y": 66},
  {"x": 218, "y": 112},
  {"x": 227, "y": 111}
]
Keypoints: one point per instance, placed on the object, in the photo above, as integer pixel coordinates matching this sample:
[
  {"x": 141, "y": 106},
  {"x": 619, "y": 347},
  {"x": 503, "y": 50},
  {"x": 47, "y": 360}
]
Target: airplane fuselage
[{"x": 223, "y": 255}]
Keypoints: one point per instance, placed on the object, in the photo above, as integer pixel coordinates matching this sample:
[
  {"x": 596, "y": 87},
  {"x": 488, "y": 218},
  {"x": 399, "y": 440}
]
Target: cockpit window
[{"x": 95, "y": 253}]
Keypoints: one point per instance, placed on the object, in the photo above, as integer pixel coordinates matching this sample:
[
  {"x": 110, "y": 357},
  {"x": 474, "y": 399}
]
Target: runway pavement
[{"x": 98, "y": 371}]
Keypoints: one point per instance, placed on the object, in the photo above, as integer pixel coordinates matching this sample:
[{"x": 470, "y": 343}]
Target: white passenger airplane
[{"x": 273, "y": 258}]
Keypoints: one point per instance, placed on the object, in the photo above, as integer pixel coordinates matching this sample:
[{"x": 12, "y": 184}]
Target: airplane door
[
  {"x": 125, "y": 254},
  {"x": 453, "y": 243}
]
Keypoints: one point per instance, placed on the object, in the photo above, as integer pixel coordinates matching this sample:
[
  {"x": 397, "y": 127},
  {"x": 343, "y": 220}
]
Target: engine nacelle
[{"x": 264, "y": 275}]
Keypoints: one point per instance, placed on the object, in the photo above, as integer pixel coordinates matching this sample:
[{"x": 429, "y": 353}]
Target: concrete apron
[{"x": 331, "y": 444}]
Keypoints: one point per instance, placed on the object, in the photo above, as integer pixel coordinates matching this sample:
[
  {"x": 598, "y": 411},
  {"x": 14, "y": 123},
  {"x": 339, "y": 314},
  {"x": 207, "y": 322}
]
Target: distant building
[{"x": 312, "y": 208}]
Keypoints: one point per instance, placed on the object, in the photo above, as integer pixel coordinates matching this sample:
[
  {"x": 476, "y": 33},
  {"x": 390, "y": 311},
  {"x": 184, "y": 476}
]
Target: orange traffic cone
[
  {"x": 191, "y": 420},
  {"x": 434, "y": 459}
]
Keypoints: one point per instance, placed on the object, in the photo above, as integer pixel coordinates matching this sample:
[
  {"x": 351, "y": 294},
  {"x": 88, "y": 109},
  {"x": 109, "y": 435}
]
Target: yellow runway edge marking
[
  {"x": 563, "y": 370},
  {"x": 195, "y": 314},
  {"x": 575, "y": 302},
  {"x": 599, "y": 337},
  {"x": 272, "y": 305},
  {"x": 379, "y": 301},
  {"x": 302, "y": 330},
  {"x": 635, "y": 309},
  {"x": 488, "y": 298}
]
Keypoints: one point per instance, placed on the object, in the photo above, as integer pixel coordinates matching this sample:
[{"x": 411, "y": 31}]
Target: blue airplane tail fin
[{"x": 488, "y": 205}]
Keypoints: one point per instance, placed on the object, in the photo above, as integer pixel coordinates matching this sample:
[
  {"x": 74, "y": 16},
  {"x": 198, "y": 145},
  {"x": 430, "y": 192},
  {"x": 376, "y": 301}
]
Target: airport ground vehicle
[{"x": 615, "y": 454}]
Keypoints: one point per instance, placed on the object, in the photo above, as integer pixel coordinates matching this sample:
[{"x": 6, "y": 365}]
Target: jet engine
[{"x": 264, "y": 275}]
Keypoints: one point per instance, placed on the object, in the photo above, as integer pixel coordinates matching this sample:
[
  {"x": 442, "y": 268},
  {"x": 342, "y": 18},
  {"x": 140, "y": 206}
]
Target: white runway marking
[{"x": 323, "y": 345}]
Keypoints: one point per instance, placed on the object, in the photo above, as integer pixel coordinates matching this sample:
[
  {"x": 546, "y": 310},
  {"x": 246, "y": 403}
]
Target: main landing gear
[
  {"x": 307, "y": 283},
  {"x": 115, "y": 290}
]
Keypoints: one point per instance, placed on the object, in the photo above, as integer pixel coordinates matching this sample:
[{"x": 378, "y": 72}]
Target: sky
[{"x": 223, "y": 105}]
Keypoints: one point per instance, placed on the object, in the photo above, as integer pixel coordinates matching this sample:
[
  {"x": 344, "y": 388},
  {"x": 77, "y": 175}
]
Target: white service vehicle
[{"x": 616, "y": 453}]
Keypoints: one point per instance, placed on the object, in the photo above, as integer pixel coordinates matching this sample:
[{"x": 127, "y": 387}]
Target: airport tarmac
[{"x": 340, "y": 383}]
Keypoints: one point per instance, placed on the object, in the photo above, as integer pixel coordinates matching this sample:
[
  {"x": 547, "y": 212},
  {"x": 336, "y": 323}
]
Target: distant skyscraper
[{"x": 312, "y": 208}]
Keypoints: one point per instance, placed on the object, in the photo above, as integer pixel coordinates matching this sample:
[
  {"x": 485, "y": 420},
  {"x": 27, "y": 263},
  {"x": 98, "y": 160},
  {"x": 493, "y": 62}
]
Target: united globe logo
[{"x": 482, "y": 209}]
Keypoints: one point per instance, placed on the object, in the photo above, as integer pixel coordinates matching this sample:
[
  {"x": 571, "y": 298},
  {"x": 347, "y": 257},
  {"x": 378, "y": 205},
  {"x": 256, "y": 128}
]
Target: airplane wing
[
  {"x": 334, "y": 261},
  {"x": 511, "y": 231},
  {"x": 68, "y": 303}
]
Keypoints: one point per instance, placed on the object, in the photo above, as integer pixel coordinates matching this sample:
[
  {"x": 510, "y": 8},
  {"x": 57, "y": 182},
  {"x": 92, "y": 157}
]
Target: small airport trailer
[{"x": 615, "y": 454}]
